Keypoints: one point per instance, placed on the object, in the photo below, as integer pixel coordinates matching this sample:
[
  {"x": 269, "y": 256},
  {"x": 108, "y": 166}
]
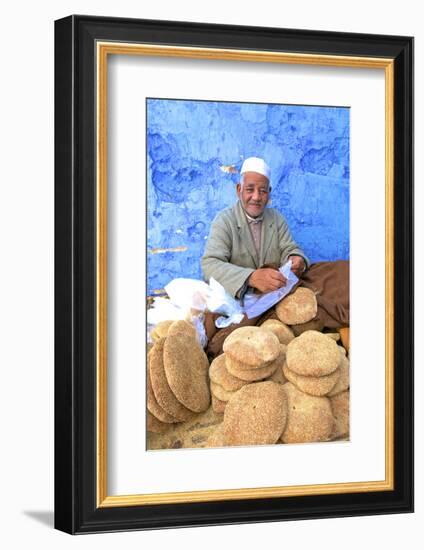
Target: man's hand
[
  {"x": 298, "y": 265},
  {"x": 267, "y": 279}
]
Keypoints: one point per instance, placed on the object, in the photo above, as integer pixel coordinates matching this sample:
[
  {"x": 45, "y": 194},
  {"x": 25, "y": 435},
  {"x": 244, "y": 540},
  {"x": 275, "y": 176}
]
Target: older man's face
[{"x": 254, "y": 193}]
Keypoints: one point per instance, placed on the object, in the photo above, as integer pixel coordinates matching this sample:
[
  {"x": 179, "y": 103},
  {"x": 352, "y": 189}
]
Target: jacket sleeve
[
  {"x": 216, "y": 259},
  {"x": 288, "y": 246}
]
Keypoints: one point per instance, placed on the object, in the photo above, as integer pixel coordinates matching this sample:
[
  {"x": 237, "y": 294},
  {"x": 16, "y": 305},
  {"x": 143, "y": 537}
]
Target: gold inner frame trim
[{"x": 103, "y": 49}]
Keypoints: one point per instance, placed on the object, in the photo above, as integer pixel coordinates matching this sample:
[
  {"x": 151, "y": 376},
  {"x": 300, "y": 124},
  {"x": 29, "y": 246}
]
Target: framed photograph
[{"x": 234, "y": 274}]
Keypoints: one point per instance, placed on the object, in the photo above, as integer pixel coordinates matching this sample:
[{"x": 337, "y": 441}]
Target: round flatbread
[
  {"x": 217, "y": 405},
  {"x": 343, "y": 381},
  {"x": 312, "y": 385},
  {"x": 186, "y": 368},
  {"x": 313, "y": 354},
  {"x": 298, "y": 307},
  {"x": 283, "y": 332},
  {"x": 255, "y": 415},
  {"x": 219, "y": 392},
  {"x": 334, "y": 335},
  {"x": 249, "y": 375},
  {"x": 154, "y": 407},
  {"x": 218, "y": 373},
  {"x": 254, "y": 347},
  {"x": 182, "y": 327},
  {"x": 216, "y": 439},
  {"x": 309, "y": 418},
  {"x": 160, "y": 330},
  {"x": 154, "y": 425},
  {"x": 340, "y": 408},
  {"x": 163, "y": 394}
]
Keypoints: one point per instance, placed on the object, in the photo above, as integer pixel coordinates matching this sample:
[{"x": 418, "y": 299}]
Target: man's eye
[{"x": 252, "y": 190}]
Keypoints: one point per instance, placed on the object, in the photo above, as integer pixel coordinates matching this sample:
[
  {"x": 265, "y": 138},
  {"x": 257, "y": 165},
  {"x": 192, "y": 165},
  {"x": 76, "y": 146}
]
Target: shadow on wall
[{"x": 194, "y": 152}]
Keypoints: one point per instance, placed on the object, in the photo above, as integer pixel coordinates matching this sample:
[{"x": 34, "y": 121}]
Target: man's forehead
[{"x": 255, "y": 178}]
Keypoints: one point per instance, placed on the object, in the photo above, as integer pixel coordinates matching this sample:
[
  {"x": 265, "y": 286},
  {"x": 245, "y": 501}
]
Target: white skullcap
[{"x": 255, "y": 164}]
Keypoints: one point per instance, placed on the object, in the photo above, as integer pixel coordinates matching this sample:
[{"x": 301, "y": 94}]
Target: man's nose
[{"x": 256, "y": 195}]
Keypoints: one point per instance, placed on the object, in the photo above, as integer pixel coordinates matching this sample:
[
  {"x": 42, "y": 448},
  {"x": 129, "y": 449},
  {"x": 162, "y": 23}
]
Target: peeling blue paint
[{"x": 306, "y": 147}]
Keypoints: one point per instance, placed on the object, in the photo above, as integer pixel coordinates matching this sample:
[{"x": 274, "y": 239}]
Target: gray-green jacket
[{"x": 230, "y": 256}]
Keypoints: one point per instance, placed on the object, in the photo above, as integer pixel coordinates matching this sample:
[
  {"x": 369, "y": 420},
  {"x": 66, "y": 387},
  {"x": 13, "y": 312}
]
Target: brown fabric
[
  {"x": 315, "y": 324},
  {"x": 329, "y": 281}
]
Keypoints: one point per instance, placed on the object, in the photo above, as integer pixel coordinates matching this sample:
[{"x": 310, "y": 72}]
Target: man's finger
[
  {"x": 277, "y": 283},
  {"x": 277, "y": 276}
]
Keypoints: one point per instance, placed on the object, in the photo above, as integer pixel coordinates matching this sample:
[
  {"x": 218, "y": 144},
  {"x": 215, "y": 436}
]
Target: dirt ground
[{"x": 186, "y": 435}]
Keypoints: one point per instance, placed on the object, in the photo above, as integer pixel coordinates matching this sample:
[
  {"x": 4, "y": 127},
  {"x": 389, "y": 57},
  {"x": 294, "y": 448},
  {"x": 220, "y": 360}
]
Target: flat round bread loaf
[
  {"x": 154, "y": 407},
  {"x": 312, "y": 354},
  {"x": 312, "y": 385},
  {"x": 255, "y": 415},
  {"x": 343, "y": 381},
  {"x": 249, "y": 375},
  {"x": 334, "y": 335},
  {"x": 219, "y": 392},
  {"x": 217, "y": 405},
  {"x": 219, "y": 374},
  {"x": 182, "y": 327},
  {"x": 309, "y": 418},
  {"x": 186, "y": 369},
  {"x": 254, "y": 347},
  {"x": 298, "y": 307},
  {"x": 216, "y": 439},
  {"x": 154, "y": 425},
  {"x": 160, "y": 330},
  {"x": 340, "y": 408},
  {"x": 163, "y": 394},
  {"x": 281, "y": 331}
]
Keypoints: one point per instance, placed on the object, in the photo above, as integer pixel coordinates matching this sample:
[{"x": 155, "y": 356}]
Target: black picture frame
[{"x": 76, "y": 483}]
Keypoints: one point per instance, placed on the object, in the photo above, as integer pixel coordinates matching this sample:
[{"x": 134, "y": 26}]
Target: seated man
[{"x": 247, "y": 236}]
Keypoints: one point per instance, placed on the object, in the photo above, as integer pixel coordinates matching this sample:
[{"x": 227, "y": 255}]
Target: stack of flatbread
[
  {"x": 282, "y": 382},
  {"x": 318, "y": 373},
  {"x": 251, "y": 354},
  {"x": 177, "y": 376},
  {"x": 308, "y": 403}
]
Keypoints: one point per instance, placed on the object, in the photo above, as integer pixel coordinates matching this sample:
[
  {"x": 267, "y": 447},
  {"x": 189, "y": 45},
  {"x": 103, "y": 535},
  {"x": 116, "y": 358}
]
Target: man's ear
[{"x": 238, "y": 189}]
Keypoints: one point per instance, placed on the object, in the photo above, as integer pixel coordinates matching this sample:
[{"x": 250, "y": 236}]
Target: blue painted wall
[{"x": 189, "y": 144}]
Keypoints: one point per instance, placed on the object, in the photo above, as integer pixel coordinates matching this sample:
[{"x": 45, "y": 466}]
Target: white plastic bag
[
  {"x": 187, "y": 301},
  {"x": 199, "y": 325},
  {"x": 163, "y": 309},
  {"x": 219, "y": 301},
  {"x": 255, "y": 304},
  {"x": 188, "y": 293}
]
